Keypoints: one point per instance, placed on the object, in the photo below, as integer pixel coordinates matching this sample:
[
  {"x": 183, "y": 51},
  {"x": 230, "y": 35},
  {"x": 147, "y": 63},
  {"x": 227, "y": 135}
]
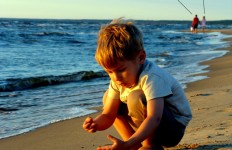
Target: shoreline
[
  {"x": 210, "y": 100},
  {"x": 207, "y": 97}
]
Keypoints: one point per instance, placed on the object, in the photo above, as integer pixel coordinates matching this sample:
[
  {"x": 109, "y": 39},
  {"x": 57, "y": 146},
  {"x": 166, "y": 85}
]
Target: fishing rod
[
  {"x": 185, "y": 7},
  {"x": 189, "y": 10},
  {"x": 204, "y": 5}
]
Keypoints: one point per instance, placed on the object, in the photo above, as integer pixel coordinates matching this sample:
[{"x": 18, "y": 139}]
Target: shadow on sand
[{"x": 202, "y": 147}]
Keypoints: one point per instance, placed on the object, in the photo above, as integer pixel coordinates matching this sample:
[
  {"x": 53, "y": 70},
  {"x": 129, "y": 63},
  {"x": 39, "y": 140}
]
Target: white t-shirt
[
  {"x": 155, "y": 83},
  {"x": 203, "y": 22}
]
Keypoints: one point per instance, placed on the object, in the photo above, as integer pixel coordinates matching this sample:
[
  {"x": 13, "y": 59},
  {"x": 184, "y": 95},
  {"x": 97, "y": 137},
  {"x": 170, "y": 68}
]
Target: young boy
[{"x": 146, "y": 105}]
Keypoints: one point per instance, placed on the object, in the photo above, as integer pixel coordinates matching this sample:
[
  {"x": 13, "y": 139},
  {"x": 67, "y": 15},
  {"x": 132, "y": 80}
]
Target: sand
[{"x": 210, "y": 128}]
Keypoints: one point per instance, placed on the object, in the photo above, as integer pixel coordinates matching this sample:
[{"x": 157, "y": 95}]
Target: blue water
[{"x": 48, "y": 70}]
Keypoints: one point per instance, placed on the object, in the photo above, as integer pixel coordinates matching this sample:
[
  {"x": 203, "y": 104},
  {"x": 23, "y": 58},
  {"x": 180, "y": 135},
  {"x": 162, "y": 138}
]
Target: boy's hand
[
  {"x": 89, "y": 125},
  {"x": 117, "y": 145}
]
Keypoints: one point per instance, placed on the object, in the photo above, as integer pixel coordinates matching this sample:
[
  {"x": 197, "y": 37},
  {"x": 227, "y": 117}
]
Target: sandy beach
[{"x": 210, "y": 128}]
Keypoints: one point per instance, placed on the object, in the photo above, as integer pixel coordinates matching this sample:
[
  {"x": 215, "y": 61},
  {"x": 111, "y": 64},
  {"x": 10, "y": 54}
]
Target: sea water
[{"x": 48, "y": 70}]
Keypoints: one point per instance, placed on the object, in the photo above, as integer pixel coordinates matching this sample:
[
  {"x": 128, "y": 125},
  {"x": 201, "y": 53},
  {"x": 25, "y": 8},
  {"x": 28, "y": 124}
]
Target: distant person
[
  {"x": 195, "y": 23},
  {"x": 203, "y": 24},
  {"x": 147, "y": 106}
]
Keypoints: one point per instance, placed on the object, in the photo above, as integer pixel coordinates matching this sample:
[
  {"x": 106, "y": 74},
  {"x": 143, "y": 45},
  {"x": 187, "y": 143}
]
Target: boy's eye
[
  {"x": 117, "y": 70},
  {"x": 121, "y": 69}
]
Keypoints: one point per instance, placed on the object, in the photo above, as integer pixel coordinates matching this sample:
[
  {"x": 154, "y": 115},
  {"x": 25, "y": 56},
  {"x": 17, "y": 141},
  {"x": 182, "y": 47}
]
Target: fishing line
[{"x": 185, "y": 7}]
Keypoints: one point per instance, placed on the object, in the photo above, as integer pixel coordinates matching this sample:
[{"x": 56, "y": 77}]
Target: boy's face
[{"x": 127, "y": 71}]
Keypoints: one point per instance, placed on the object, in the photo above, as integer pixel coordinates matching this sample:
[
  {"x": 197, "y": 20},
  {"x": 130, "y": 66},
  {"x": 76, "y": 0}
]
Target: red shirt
[{"x": 195, "y": 21}]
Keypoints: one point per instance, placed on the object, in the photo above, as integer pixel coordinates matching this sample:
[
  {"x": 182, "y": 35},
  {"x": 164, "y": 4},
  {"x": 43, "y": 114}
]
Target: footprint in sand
[
  {"x": 220, "y": 128},
  {"x": 206, "y": 94}
]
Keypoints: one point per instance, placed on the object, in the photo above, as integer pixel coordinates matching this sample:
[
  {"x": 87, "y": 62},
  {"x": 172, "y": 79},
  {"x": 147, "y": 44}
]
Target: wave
[
  {"x": 16, "y": 84},
  {"x": 52, "y": 34},
  {"x": 75, "y": 42},
  {"x": 7, "y": 110}
]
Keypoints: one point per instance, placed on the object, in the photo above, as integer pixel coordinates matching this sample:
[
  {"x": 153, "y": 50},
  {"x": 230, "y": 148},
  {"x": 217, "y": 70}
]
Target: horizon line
[{"x": 101, "y": 19}]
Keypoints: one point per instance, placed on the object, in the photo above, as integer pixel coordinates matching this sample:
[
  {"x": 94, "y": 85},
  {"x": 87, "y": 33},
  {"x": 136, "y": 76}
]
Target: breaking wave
[{"x": 16, "y": 84}]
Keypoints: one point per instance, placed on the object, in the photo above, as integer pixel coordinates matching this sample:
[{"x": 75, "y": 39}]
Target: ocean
[{"x": 48, "y": 72}]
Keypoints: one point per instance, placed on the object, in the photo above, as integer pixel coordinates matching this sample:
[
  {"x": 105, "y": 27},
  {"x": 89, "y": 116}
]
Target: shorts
[{"x": 195, "y": 26}]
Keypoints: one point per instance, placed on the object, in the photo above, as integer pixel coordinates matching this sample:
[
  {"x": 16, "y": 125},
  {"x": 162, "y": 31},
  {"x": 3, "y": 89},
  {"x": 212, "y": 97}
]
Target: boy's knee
[
  {"x": 122, "y": 110},
  {"x": 136, "y": 102},
  {"x": 136, "y": 99}
]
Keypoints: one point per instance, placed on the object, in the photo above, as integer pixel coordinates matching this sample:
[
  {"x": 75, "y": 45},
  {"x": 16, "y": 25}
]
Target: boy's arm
[
  {"x": 150, "y": 124},
  {"x": 108, "y": 115}
]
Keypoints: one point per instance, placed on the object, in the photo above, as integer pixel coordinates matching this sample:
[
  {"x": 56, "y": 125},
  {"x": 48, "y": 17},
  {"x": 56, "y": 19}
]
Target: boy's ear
[{"x": 142, "y": 56}]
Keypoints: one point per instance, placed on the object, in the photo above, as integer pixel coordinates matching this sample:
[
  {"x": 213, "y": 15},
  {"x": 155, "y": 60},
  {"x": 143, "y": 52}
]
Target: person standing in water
[
  {"x": 203, "y": 24},
  {"x": 195, "y": 24}
]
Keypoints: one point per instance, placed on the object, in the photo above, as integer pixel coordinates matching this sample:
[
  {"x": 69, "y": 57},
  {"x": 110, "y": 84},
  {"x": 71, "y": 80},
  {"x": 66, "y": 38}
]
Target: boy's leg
[
  {"x": 130, "y": 116},
  {"x": 169, "y": 133},
  {"x": 121, "y": 122},
  {"x": 137, "y": 103}
]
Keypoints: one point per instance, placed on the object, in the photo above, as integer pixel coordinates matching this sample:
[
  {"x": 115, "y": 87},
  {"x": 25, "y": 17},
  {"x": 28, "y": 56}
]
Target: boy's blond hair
[{"x": 118, "y": 40}]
